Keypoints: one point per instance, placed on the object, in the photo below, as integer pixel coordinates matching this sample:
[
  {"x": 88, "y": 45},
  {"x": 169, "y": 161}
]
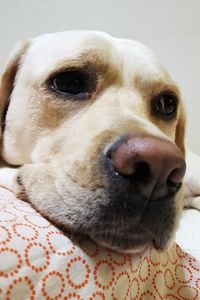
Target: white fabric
[{"x": 38, "y": 262}]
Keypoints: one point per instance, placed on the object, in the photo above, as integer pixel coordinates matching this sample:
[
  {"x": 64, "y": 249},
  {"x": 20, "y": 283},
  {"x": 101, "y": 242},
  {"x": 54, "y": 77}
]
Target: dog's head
[{"x": 99, "y": 125}]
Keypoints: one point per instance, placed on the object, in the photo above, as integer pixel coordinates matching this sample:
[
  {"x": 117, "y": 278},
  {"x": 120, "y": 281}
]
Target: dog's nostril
[
  {"x": 141, "y": 172},
  {"x": 109, "y": 154},
  {"x": 173, "y": 181},
  {"x": 173, "y": 186}
]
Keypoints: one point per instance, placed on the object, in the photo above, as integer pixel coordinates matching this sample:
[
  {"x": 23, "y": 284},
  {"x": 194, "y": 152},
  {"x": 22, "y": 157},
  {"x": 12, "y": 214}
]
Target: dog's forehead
[
  {"x": 62, "y": 45},
  {"x": 50, "y": 50}
]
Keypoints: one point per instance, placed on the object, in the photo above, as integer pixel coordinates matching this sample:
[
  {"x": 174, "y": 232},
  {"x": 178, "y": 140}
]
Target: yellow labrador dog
[{"x": 93, "y": 136}]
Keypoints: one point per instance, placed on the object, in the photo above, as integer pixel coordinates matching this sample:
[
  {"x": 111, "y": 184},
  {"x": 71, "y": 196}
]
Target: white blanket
[{"x": 38, "y": 262}]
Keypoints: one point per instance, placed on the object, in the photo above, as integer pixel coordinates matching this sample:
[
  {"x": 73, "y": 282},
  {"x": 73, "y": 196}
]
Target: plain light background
[{"x": 170, "y": 27}]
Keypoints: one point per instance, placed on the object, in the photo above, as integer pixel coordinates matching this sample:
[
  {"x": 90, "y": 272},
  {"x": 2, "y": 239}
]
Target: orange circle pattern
[
  {"x": 98, "y": 294},
  {"x": 44, "y": 285},
  {"x": 78, "y": 260},
  {"x": 8, "y": 237},
  {"x": 17, "y": 281},
  {"x": 37, "y": 261},
  {"x": 52, "y": 247},
  {"x": 45, "y": 258},
  {"x": 172, "y": 284},
  {"x": 16, "y": 228},
  {"x": 14, "y": 269},
  {"x": 98, "y": 279},
  {"x": 115, "y": 285}
]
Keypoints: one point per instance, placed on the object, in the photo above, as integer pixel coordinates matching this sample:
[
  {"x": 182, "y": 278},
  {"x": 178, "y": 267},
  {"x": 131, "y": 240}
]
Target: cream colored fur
[{"x": 39, "y": 127}]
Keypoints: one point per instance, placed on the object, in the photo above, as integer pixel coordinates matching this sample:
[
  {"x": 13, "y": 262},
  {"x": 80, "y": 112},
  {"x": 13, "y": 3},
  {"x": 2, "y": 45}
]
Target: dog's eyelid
[
  {"x": 164, "y": 105},
  {"x": 74, "y": 83},
  {"x": 170, "y": 92},
  {"x": 83, "y": 64},
  {"x": 78, "y": 69}
]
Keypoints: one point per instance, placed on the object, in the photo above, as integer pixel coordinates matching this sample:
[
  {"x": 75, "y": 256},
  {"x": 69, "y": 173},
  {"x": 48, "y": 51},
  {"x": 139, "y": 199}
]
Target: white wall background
[{"x": 170, "y": 27}]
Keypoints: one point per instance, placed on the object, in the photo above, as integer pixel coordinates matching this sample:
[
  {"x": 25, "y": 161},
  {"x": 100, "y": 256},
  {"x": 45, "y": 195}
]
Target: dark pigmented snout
[{"x": 154, "y": 166}]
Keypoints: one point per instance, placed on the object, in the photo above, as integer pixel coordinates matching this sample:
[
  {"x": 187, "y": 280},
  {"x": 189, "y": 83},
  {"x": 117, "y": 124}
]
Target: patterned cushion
[{"x": 37, "y": 261}]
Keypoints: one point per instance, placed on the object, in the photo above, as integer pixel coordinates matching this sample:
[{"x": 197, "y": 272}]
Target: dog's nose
[{"x": 155, "y": 166}]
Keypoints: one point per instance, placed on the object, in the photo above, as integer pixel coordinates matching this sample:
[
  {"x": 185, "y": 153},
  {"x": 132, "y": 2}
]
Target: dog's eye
[
  {"x": 165, "y": 105},
  {"x": 71, "y": 83}
]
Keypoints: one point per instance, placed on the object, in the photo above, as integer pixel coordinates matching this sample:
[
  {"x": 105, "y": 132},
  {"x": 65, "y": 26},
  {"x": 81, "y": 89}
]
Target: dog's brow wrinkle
[
  {"x": 150, "y": 87},
  {"x": 92, "y": 57}
]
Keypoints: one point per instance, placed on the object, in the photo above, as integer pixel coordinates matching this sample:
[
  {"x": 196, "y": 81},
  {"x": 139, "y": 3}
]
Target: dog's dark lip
[
  {"x": 121, "y": 246},
  {"x": 131, "y": 250},
  {"x": 130, "y": 244},
  {"x": 136, "y": 243},
  {"x": 159, "y": 244},
  {"x": 123, "y": 240}
]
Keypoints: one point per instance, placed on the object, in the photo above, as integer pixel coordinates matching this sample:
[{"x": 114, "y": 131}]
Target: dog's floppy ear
[
  {"x": 8, "y": 78},
  {"x": 180, "y": 131}
]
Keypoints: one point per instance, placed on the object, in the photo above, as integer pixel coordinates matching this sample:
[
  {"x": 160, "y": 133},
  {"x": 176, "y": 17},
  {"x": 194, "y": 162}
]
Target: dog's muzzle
[{"x": 142, "y": 175}]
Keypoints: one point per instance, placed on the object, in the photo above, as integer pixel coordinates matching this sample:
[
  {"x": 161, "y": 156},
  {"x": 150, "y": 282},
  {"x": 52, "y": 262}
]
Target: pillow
[{"x": 37, "y": 261}]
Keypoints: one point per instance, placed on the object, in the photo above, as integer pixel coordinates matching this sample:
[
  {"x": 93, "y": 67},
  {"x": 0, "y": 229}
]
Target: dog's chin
[
  {"x": 130, "y": 244},
  {"x": 132, "y": 250}
]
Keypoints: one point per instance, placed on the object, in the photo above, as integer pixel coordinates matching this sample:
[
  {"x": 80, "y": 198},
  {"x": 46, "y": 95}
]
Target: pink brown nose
[{"x": 155, "y": 166}]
